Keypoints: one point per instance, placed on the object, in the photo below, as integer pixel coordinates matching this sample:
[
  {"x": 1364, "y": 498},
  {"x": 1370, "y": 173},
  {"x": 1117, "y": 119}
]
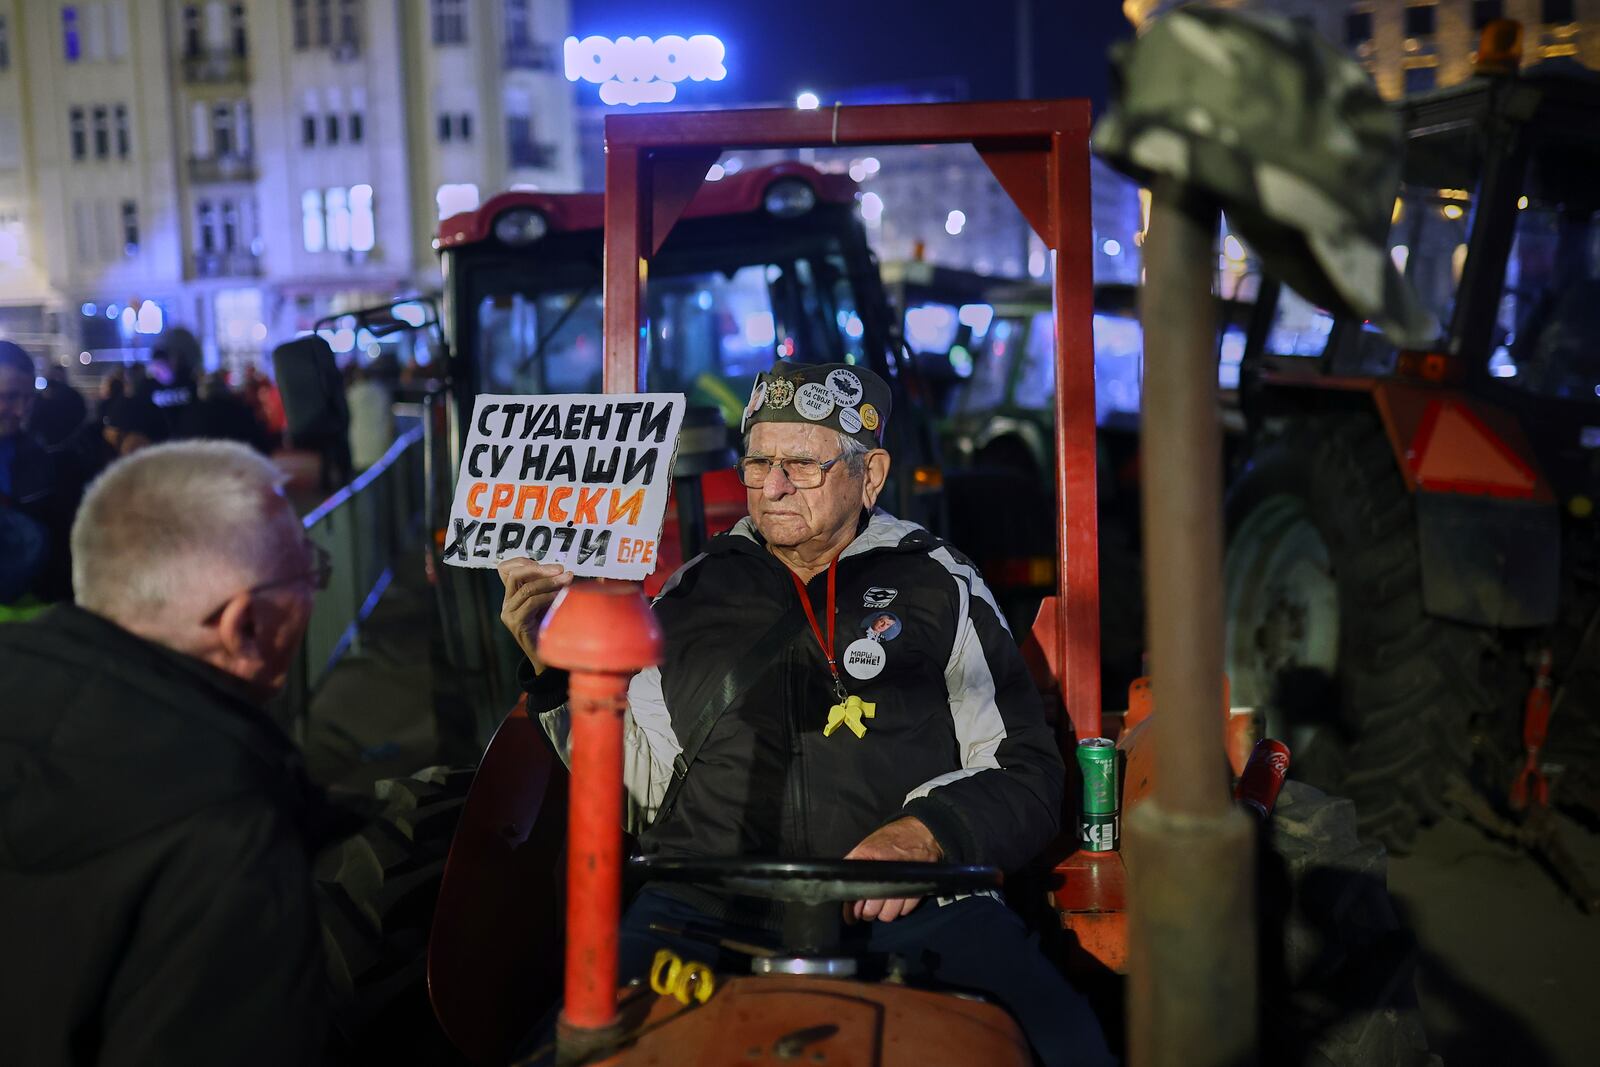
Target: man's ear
[
  {"x": 238, "y": 629},
  {"x": 877, "y": 473}
]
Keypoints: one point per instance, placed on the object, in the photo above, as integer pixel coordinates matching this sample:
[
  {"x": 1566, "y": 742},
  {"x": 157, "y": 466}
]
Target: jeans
[{"x": 974, "y": 944}]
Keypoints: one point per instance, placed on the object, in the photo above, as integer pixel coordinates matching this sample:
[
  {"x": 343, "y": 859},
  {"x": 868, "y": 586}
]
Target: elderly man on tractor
[{"x": 788, "y": 721}]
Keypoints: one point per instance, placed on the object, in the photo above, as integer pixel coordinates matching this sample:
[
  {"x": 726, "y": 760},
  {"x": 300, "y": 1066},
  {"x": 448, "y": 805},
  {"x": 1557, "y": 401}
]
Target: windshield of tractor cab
[
  {"x": 717, "y": 315},
  {"x": 1547, "y": 330}
]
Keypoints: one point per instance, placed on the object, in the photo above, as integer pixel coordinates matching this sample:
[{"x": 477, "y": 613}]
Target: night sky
[{"x": 776, "y": 48}]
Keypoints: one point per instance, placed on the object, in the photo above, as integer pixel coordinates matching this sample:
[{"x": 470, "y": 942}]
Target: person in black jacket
[
  {"x": 155, "y": 897},
  {"x": 897, "y": 721},
  {"x": 35, "y": 500}
]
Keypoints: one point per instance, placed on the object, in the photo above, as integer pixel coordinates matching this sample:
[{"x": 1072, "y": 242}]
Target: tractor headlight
[
  {"x": 520, "y": 226},
  {"x": 790, "y": 198}
]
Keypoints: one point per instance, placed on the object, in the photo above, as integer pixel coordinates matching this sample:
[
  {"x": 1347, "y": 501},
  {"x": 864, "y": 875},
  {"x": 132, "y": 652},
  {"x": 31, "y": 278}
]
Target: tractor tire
[
  {"x": 1326, "y": 631},
  {"x": 376, "y": 892},
  {"x": 1337, "y": 968}
]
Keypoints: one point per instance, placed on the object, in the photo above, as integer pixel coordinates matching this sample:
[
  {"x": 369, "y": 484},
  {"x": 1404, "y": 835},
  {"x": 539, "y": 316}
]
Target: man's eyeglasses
[
  {"x": 802, "y": 473},
  {"x": 317, "y": 576}
]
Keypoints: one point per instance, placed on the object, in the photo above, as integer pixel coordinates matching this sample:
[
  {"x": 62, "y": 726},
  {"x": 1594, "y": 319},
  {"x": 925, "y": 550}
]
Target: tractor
[
  {"x": 1171, "y": 923},
  {"x": 1412, "y": 531},
  {"x": 766, "y": 262},
  {"x": 1184, "y": 906}
]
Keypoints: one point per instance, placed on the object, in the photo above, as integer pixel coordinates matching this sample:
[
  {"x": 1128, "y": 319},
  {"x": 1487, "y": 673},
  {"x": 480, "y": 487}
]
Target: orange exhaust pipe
[{"x": 603, "y": 633}]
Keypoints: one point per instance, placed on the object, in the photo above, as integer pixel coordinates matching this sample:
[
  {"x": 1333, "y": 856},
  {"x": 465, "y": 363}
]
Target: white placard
[{"x": 578, "y": 479}]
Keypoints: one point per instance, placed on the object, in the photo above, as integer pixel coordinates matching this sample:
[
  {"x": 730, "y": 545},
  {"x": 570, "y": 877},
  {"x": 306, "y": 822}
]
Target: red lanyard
[{"x": 811, "y": 617}]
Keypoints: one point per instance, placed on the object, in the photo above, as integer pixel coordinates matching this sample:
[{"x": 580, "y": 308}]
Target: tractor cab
[
  {"x": 765, "y": 263},
  {"x": 1462, "y": 471}
]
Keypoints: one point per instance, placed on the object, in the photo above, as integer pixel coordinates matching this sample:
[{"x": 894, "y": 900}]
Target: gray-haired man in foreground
[{"x": 155, "y": 899}]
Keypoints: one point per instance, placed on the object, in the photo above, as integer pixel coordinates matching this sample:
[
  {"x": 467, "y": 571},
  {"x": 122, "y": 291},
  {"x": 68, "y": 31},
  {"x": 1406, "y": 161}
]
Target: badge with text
[
  {"x": 845, "y": 388},
  {"x": 575, "y": 479},
  {"x": 813, "y": 401},
  {"x": 864, "y": 658},
  {"x": 879, "y": 596}
]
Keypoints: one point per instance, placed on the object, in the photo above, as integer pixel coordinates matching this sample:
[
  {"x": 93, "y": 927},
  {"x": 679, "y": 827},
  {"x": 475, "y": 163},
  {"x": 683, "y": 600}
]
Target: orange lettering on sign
[
  {"x": 474, "y": 508},
  {"x": 557, "y": 512},
  {"x": 501, "y": 497},
  {"x": 533, "y": 494},
  {"x": 588, "y": 509},
  {"x": 629, "y": 507}
]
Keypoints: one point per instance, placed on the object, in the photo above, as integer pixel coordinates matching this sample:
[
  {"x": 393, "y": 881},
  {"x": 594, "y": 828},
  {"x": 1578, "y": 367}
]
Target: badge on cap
[
  {"x": 779, "y": 392},
  {"x": 869, "y": 417},
  {"x": 849, "y": 421},
  {"x": 845, "y": 387},
  {"x": 864, "y": 659},
  {"x": 813, "y": 401},
  {"x": 758, "y": 396}
]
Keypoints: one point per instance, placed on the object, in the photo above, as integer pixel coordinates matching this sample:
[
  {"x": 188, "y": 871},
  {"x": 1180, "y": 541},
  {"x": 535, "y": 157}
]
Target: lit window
[
  {"x": 69, "y": 33},
  {"x": 311, "y": 227},
  {"x": 116, "y": 29},
  {"x": 363, "y": 229},
  {"x": 453, "y": 199},
  {"x": 93, "y": 20},
  {"x": 120, "y": 117},
  {"x": 130, "y": 228},
  {"x": 337, "y": 204}
]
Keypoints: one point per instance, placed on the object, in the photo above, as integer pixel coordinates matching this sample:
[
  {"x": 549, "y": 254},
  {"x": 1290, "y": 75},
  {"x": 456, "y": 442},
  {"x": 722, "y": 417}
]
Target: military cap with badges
[{"x": 851, "y": 400}]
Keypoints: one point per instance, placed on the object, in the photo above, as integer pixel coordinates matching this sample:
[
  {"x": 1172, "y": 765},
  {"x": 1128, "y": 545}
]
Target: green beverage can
[{"x": 1100, "y": 826}]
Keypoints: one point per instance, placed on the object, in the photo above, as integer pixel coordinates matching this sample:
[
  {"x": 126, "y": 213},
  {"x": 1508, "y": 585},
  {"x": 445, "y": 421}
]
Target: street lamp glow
[
  {"x": 807, "y": 101},
  {"x": 871, "y": 208},
  {"x": 954, "y": 222}
]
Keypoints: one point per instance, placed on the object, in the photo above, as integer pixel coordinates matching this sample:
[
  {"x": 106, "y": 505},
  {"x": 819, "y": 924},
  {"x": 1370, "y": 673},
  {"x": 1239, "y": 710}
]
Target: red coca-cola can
[{"x": 1263, "y": 776}]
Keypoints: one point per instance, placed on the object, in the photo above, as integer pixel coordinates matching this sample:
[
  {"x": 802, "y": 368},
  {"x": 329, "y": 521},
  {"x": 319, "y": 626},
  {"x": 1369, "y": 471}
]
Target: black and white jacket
[{"x": 958, "y": 737}]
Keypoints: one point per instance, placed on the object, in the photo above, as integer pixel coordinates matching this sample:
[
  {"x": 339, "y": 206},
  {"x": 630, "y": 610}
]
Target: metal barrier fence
[{"x": 362, "y": 527}]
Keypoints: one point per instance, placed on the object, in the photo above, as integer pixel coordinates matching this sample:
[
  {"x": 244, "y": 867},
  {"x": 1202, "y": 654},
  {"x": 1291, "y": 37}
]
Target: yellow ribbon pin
[{"x": 850, "y": 713}]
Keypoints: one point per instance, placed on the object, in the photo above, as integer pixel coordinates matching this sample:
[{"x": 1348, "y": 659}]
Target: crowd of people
[{"x": 55, "y": 440}]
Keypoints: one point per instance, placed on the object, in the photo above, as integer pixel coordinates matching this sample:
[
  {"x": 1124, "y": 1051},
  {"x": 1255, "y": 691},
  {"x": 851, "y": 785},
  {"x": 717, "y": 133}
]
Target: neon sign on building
[{"x": 639, "y": 70}]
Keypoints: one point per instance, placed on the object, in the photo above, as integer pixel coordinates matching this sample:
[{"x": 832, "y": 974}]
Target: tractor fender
[
  {"x": 1488, "y": 525},
  {"x": 1040, "y": 450}
]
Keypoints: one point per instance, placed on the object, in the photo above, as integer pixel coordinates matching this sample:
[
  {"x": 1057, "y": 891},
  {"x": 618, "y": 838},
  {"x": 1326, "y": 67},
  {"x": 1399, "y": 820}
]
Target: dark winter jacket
[
  {"x": 155, "y": 898},
  {"x": 958, "y": 737}
]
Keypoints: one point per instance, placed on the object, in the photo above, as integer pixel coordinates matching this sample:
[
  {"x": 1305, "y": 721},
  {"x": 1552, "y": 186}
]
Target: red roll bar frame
[{"x": 1037, "y": 150}]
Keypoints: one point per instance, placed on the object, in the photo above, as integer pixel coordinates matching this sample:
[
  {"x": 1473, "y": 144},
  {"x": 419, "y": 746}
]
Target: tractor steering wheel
[{"x": 819, "y": 881}]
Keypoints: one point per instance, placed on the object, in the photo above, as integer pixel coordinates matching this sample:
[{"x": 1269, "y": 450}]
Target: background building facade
[{"x": 244, "y": 167}]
